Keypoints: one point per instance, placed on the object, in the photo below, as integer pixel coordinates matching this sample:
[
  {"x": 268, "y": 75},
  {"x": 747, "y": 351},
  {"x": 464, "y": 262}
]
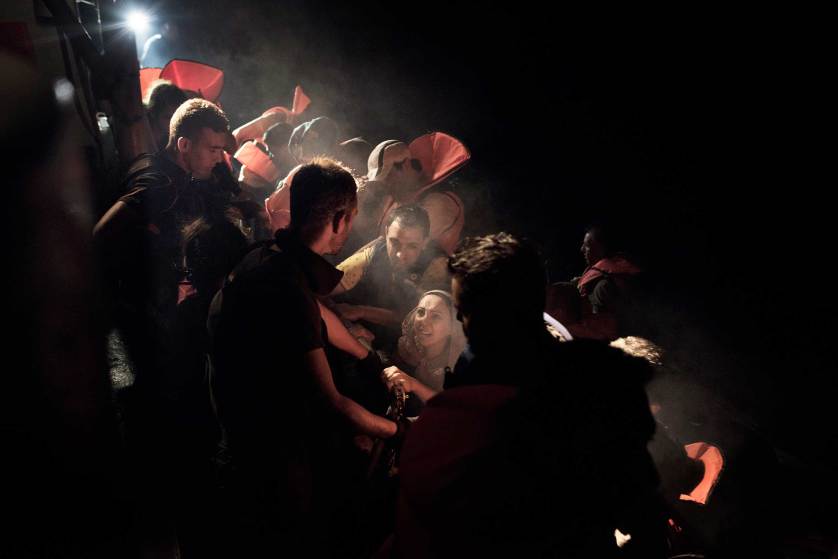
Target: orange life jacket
[
  {"x": 713, "y": 460},
  {"x": 616, "y": 267}
]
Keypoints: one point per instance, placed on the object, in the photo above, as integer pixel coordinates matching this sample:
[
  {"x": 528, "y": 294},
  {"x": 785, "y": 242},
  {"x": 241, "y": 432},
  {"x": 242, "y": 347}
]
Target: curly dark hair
[{"x": 499, "y": 271}]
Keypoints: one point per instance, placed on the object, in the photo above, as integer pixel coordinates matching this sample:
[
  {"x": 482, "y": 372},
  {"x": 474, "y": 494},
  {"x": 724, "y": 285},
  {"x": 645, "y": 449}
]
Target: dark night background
[{"x": 699, "y": 135}]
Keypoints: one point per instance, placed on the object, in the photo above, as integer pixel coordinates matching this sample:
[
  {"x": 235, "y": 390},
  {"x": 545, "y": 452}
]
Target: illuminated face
[
  {"x": 404, "y": 245},
  {"x": 432, "y": 321},
  {"x": 591, "y": 249},
  {"x": 203, "y": 153}
]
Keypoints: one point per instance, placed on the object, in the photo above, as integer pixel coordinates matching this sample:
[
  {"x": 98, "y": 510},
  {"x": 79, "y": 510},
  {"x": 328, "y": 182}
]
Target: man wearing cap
[
  {"x": 384, "y": 280},
  {"x": 392, "y": 162},
  {"x": 276, "y": 138},
  {"x": 317, "y": 137},
  {"x": 407, "y": 180}
]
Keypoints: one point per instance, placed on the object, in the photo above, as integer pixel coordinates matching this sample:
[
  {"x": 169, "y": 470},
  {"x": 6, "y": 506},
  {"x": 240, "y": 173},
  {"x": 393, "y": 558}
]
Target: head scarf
[{"x": 431, "y": 370}]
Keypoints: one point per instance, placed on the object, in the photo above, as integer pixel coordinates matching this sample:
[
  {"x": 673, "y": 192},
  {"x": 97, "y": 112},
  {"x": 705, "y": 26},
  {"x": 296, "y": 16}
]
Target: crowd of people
[{"x": 298, "y": 308}]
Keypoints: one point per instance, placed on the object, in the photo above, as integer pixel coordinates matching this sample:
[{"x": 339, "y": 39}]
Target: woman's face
[{"x": 432, "y": 321}]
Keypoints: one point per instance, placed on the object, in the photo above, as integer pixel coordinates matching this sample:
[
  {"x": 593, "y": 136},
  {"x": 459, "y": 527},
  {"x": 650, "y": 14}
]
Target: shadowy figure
[
  {"x": 287, "y": 425},
  {"x": 540, "y": 450}
]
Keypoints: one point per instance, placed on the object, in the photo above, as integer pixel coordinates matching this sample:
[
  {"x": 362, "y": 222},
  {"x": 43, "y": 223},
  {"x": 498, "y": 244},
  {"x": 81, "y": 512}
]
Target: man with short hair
[
  {"x": 140, "y": 244},
  {"x": 539, "y": 447},
  {"x": 139, "y": 237},
  {"x": 166, "y": 186},
  {"x": 384, "y": 280},
  {"x": 272, "y": 383}
]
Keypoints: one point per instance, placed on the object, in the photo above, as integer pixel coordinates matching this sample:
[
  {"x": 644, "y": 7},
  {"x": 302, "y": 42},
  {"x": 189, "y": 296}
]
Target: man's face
[
  {"x": 203, "y": 153},
  {"x": 591, "y": 249},
  {"x": 404, "y": 245}
]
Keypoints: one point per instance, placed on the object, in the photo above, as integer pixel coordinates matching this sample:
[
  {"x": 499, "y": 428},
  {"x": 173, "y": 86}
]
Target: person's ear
[
  {"x": 337, "y": 221},
  {"x": 184, "y": 144}
]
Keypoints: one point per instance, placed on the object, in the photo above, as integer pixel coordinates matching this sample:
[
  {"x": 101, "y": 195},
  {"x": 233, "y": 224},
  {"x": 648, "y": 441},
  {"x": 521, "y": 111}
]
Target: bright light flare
[{"x": 138, "y": 21}]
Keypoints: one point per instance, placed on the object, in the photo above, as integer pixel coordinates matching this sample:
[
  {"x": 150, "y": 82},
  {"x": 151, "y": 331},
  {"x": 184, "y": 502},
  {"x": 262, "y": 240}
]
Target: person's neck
[
  {"x": 435, "y": 350},
  {"x": 176, "y": 157},
  {"x": 319, "y": 245}
]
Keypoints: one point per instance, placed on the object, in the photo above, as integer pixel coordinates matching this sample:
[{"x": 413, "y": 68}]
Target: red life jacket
[
  {"x": 278, "y": 204},
  {"x": 292, "y": 115},
  {"x": 713, "y": 460},
  {"x": 185, "y": 290},
  {"x": 147, "y": 77},
  {"x": 207, "y": 81},
  {"x": 616, "y": 267},
  {"x": 256, "y": 156}
]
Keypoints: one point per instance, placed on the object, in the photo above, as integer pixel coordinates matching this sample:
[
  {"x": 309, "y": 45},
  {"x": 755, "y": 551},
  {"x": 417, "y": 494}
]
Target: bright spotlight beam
[{"x": 137, "y": 21}]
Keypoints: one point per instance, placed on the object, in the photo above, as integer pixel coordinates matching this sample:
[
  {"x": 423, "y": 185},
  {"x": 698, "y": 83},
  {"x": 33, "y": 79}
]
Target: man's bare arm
[
  {"x": 362, "y": 420},
  {"x": 376, "y": 315},
  {"x": 339, "y": 336}
]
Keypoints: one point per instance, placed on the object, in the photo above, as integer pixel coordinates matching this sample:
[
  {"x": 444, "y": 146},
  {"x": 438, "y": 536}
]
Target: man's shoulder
[
  {"x": 264, "y": 286},
  {"x": 465, "y": 406},
  {"x": 264, "y": 265},
  {"x": 355, "y": 266},
  {"x": 151, "y": 176},
  {"x": 432, "y": 258},
  {"x": 364, "y": 255},
  {"x": 154, "y": 166}
]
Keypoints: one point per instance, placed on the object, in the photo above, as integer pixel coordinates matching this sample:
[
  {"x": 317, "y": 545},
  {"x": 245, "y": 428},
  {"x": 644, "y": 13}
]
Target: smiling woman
[{"x": 431, "y": 342}]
